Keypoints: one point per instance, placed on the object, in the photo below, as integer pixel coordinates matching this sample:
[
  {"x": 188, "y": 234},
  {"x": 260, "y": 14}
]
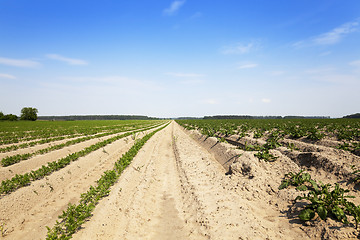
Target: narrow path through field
[
  {"x": 146, "y": 203},
  {"x": 175, "y": 189}
]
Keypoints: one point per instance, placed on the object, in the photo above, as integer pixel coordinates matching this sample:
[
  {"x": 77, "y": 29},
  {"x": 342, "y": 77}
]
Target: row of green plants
[
  {"x": 21, "y": 180},
  {"x": 31, "y": 144},
  {"x": 10, "y": 160},
  {"x": 346, "y": 130},
  {"x": 313, "y": 129},
  {"x": 323, "y": 200},
  {"x": 17, "y": 132},
  {"x": 76, "y": 214},
  {"x": 263, "y": 151},
  {"x": 353, "y": 147}
]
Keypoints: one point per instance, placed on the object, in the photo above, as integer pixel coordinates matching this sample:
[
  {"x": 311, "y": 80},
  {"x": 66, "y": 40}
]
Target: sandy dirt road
[{"x": 175, "y": 189}]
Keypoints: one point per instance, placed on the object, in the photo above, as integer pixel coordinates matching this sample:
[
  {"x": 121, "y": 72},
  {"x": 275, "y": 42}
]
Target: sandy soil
[
  {"x": 37, "y": 161},
  {"x": 179, "y": 187},
  {"x": 27, "y": 211},
  {"x": 181, "y": 192}
]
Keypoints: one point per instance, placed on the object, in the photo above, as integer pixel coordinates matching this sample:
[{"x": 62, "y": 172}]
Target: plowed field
[{"x": 183, "y": 185}]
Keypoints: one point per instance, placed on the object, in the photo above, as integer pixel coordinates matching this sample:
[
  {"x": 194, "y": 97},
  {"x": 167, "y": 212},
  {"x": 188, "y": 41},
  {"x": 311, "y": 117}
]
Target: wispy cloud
[
  {"x": 19, "y": 62},
  {"x": 247, "y": 65},
  {"x": 192, "y": 81},
  {"x": 173, "y": 8},
  {"x": 196, "y": 15},
  {"x": 323, "y": 54},
  {"x": 320, "y": 70},
  {"x": 355, "y": 63},
  {"x": 277, "y": 73},
  {"x": 238, "y": 48},
  {"x": 71, "y": 61},
  {"x": 336, "y": 78},
  {"x": 332, "y": 37},
  {"x": 266, "y": 100},
  {"x": 210, "y": 101},
  {"x": 8, "y": 76},
  {"x": 110, "y": 81},
  {"x": 335, "y": 35},
  {"x": 184, "y": 75}
]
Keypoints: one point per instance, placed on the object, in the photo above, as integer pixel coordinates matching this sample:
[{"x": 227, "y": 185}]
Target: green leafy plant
[
  {"x": 355, "y": 174},
  {"x": 292, "y": 146},
  {"x": 324, "y": 200},
  {"x": 250, "y": 147},
  {"x": 328, "y": 201},
  {"x": 300, "y": 180},
  {"x": 3, "y": 230},
  {"x": 265, "y": 155}
]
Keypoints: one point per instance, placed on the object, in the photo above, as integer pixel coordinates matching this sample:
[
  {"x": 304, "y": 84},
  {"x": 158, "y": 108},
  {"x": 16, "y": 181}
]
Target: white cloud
[
  {"x": 192, "y": 81},
  {"x": 70, "y": 61},
  {"x": 8, "y": 76},
  {"x": 335, "y": 35},
  {"x": 186, "y": 75},
  {"x": 324, "y": 70},
  {"x": 111, "y": 81},
  {"x": 329, "y": 38},
  {"x": 174, "y": 7},
  {"x": 277, "y": 73},
  {"x": 355, "y": 63},
  {"x": 19, "y": 62},
  {"x": 340, "y": 79},
  {"x": 196, "y": 15},
  {"x": 266, "y": 100},
  {"x": 247, "y": 65},
  {"x": 323, "y": 54},
  {"x": 210, "y": 101},
  {"x": 238, "y": 48}
]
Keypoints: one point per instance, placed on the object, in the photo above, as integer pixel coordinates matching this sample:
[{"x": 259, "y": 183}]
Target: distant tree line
[
  {"x": 96, "y": 117},
  {"x": 263, "y": 117},
  {"x": 356, "y": 115},
  {"x": 8, "y": 117},
  {"x": 27, "y": 114}
]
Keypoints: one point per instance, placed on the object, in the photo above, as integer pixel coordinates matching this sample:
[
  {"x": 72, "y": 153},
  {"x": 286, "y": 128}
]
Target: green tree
[
  {"x": 10, "y": 117},
  {"x": 1, "y": 116},
  {"x": 28, "y": 113}
]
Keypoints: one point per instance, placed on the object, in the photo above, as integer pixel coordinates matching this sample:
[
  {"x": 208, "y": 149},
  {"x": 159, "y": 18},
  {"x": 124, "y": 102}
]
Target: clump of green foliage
[
  {"x": 326, "y": 200},
  {"x": 300, "y": 180},
  {"x": 265, "y": 155},
  {"x": 29, "y": 113}
]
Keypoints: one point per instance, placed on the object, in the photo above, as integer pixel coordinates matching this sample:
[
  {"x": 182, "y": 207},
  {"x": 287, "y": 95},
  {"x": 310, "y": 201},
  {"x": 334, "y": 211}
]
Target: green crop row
[
  {"x": 346, "y": 130},
  {"x": 10, "y": 185},
  {"x": 10, "y": 160},
  {"x": 75, "y": 215},
  {"x": 30, "y": 144},
  {"x": 15, "y": 132}
]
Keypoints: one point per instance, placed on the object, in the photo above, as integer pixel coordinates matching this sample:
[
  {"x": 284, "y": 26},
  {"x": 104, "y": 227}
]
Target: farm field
[{"x": 187, "y": 179}]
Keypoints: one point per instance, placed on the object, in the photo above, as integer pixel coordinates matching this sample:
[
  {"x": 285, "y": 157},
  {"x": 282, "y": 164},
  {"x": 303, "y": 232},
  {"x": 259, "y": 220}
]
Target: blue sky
[{"x": 180, "y": 58}]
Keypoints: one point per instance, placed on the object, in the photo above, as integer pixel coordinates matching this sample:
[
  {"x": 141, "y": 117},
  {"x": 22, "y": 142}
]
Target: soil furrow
[
  {"x": 146, "y": 202},
  {"x": 39, "y": 160},
  {"x": 27, "y": 211}
]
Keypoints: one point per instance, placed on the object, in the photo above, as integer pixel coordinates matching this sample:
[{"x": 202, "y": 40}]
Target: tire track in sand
[{"x": 147, "y": 202}]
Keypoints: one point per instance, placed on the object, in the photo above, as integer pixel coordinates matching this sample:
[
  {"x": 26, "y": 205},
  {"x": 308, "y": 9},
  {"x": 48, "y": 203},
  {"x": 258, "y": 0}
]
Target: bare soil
[{"x": 182, "y": 185}]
